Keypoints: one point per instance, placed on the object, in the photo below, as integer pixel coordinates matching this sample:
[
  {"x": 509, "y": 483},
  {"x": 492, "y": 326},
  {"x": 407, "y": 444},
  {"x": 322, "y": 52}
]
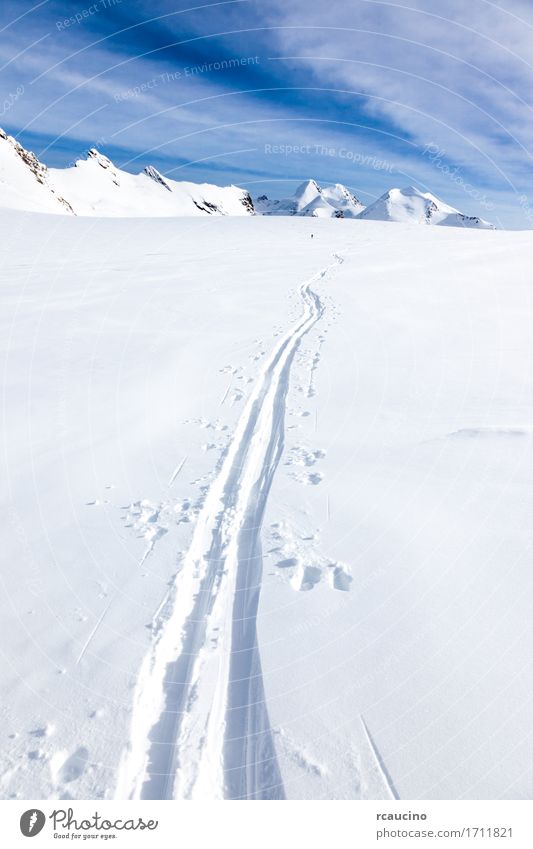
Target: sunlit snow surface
[{"x": 387, "y": 458}]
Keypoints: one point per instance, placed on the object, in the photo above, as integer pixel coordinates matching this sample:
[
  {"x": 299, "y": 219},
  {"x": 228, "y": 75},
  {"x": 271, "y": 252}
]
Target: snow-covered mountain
[
  {"x": 414, "y": 206},
  {"x": 402, "y": 205},
  {"x": 311, "y": 200},
  {"x": 95, "y": 186},
  {"x": 24, "y": 181}
]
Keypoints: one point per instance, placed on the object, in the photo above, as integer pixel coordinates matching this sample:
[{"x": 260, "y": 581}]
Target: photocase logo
[{"x": 32, "y": 822}]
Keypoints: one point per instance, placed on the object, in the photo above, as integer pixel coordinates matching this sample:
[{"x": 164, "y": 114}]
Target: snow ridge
[{"x": 200, "y": 726}]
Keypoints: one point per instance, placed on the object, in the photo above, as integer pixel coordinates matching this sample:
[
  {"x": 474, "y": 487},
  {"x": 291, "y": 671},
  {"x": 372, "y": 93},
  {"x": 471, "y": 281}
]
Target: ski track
[
  {"x": 177, "y": 470},
  {"x": 200, "y": 726},
  {"x": 380, "y": 764}
]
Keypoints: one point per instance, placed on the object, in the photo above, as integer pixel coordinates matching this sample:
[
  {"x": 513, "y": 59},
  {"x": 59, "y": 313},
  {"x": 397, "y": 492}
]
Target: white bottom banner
[{"x": 262, "y": 825}]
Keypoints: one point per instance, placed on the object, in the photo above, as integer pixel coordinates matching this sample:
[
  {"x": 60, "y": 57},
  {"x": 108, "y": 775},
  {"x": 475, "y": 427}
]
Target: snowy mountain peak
[
  {"x": 28, "y": 158},
  {"x": 410, "y": 205},
  {"x": 25, "y": 181},
  {"x": 98, "y": 157},
  {"x": 154, "y": 174},
  {"x": 312, "y": 200},
  {"x": 307, "y": 191},
  {"x": 342, "y": 198},
  {"x": 407, "y": 191},
  {"x": 339, "y": 190}
]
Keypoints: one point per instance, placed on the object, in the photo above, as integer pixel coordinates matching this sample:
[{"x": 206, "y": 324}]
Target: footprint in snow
[
  {"x": 301, "y": 456},
  {"x": 339, "y": 578},
  {"x": 288, "y": 563},
  {"x": 67, "y": 768},
  {"x": 42, "y": 731},
  {"x": 300, "y": 562},
  {"x": 306, "y": 577},
  {"x": 311, "y": 479}
]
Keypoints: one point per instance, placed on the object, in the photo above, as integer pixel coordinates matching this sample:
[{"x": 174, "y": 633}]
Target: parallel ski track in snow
[{"x": 200, "y": 726}]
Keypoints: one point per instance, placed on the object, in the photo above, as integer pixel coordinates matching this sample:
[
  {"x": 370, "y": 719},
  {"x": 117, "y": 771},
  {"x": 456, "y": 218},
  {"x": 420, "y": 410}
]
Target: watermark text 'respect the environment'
[{"x": 185, "y": 73}]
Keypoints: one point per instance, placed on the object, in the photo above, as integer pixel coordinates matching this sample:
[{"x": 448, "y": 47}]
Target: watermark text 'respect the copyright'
[
  {"x": 85, "y": 14},
  {"x": 364, "y": 159}
]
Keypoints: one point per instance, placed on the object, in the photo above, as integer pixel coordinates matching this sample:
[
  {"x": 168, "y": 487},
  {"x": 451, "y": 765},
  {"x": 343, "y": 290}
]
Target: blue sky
[{"x": 267, "y": 93}]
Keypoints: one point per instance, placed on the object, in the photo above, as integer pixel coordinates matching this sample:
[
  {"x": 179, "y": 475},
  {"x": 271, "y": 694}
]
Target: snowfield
[{"x": 267, "y": 509}]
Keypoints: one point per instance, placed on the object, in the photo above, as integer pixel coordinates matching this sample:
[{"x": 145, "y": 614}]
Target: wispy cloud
[{"x": 458, "y": 75}]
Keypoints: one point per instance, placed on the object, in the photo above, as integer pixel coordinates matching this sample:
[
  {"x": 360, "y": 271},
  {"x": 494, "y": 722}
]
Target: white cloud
[{"x": 455, "y": 73}]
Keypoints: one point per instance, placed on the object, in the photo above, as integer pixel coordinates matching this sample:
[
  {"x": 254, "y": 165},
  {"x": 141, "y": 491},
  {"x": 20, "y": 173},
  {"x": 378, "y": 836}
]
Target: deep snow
[{"x": 393, "y": 622}]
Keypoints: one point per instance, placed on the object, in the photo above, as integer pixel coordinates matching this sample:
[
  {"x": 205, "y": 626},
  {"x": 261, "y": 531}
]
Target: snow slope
[
  {"x": 412, "y": 205},
  {"x": 311, "y": 200},
  {"x": 231, "y": 471}
]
